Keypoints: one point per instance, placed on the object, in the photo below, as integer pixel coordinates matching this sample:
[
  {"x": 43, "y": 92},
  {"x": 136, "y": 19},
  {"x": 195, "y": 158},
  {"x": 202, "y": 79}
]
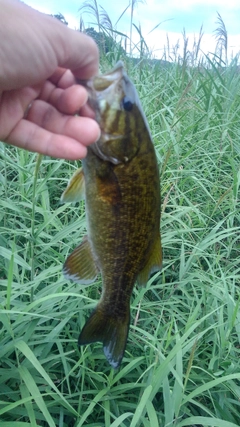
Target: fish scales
[{"x": 122, "y": 196}]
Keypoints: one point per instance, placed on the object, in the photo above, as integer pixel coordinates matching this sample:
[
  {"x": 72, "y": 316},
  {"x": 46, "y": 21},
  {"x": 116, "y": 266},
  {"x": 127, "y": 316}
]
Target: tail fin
[{"x": 109, "y": 330}]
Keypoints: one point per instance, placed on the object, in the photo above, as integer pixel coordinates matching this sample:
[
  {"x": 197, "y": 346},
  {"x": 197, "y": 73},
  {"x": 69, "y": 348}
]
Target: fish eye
[{"x": 127, "y": 104}]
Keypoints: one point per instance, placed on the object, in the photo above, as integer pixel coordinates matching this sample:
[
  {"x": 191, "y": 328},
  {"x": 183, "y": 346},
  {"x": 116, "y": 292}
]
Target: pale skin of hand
[{"x": 40, "y": 60}]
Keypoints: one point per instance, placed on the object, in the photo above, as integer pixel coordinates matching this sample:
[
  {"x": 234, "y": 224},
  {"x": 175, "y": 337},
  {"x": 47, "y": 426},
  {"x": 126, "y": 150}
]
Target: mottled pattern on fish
[{"x": 122, "y": 194}]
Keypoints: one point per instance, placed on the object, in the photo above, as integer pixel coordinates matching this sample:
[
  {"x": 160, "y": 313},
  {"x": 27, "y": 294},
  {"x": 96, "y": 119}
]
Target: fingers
[
  {"x": 80, "y": 55},
  {"x": 84, "y": 129},
  {"x": 41, "y": 43},
  {"x": 32, "y": 137},
  {"x": 42, "y": 141},
  {"x": 68, "y": 101},
  {"x": 87, "y": 111},
  {"x": 13, "y": 107},
  {"x": 22, "y": 127},
  {"x": 62, "y": 78}
]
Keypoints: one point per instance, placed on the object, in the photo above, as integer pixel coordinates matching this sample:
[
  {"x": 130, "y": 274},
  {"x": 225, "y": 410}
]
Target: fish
[{"x": 120, "y": 183}]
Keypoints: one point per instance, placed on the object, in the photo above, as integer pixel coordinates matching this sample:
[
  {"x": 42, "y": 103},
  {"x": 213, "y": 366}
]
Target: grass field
[{"x": 182, "y": 361}]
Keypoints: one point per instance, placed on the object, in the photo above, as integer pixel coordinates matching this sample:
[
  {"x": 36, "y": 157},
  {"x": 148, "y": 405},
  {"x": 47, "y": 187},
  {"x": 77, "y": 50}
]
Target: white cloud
[
  {"x": 73, "y": 20},
  {"x": 173, "y": 5},
  {"x": 231, "y": 4},
  {"x": 174, "y": 15},
  {"x": 158, "y": 44}
]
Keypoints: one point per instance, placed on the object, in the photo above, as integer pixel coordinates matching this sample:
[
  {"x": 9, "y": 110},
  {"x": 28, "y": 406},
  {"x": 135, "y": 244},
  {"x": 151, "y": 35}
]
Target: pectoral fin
[
  {"x": 80, "y": 266},
  {"x": 153, "y": 264},
  {"x": 75, "y": 189}
]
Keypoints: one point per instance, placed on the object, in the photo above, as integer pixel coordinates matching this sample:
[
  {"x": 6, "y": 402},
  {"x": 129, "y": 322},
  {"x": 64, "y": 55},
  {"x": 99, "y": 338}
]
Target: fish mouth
[
  {"x": 105, "y": 89},
  {"x": 105, "y": 94},
  {"x": 114, "y": 100},
  {"x": 105, "y": 80}
]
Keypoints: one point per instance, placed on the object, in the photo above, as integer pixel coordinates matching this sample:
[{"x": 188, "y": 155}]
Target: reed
[{"x": 182, "y": 361}]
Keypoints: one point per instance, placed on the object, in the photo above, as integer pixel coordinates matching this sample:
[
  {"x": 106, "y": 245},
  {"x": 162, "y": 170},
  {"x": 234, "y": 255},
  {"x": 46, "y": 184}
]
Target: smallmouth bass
[{"x": 120, "y": 179}]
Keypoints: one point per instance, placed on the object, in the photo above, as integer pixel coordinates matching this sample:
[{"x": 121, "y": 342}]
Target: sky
[{"x": 170, "y": 16}]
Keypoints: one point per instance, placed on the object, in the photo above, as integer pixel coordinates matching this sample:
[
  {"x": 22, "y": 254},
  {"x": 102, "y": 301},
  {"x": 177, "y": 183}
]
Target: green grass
[{"x": 182, "y": 361}]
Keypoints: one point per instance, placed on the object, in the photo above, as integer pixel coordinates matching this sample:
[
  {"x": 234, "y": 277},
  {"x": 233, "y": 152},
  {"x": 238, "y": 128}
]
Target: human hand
[{"x": 38, "y": 94}]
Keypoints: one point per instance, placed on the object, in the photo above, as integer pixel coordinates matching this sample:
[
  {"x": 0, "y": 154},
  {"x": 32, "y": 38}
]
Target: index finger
[{"x": 80, "y": 54}]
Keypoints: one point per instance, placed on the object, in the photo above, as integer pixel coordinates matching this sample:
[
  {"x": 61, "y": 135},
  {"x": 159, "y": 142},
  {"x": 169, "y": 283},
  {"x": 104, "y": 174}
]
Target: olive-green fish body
[{"x": 122, "y": 195}]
